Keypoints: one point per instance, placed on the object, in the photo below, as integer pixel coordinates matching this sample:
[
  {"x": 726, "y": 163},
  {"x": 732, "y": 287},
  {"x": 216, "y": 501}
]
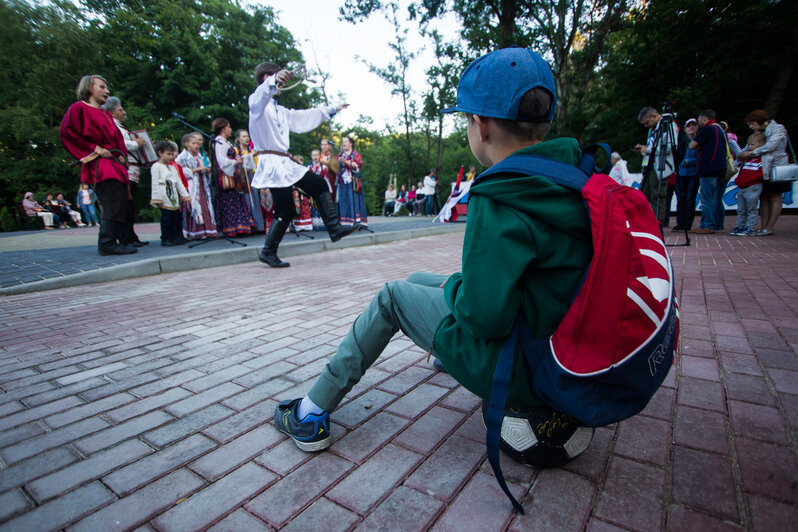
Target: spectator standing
[
  {"x": 472, "y": 173},
  {"x": 32, "y": 208},
  {"x": 86, "y": 199},
  {"x": 430, "y": 184},
  {"x": 710, "y": 142},
  {"x": 687, "y": 182},
  {"x": 660, "y": 160},
  {"x": 135, "y": 160},
  {"x": 749, "y": 187},
  {"x": 775, "y": 154},
  {"x": 89, "y": 134}
]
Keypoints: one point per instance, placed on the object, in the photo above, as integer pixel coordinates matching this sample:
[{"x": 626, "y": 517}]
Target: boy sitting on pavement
[{"x": 527, "y": 243}]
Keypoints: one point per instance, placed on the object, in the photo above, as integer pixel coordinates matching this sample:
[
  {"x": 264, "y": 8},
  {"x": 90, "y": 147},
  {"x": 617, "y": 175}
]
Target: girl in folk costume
[
  {"x": 199, "y": 221},
  {"x": 234, "y": 216},
  {"x": 303, "y": 219},
  {"x": 319, "y": 168},
  {"x": 351, "y": 200},
  {"x": 329, "y": 165},
  {"x": 168, "y": 192},
  {"x": 248, "y": 164}
]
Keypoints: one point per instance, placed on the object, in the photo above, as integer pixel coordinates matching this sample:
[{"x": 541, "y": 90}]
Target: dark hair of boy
[
  {"x": 709, "y": 114},
  {"x": 164, "y": 146},
  {"x": 532, "y": 122},
  {"x": 264, "y": 70}
]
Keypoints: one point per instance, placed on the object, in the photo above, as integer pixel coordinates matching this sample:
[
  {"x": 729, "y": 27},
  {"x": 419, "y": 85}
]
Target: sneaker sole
[{"x": 309, "y": 447}]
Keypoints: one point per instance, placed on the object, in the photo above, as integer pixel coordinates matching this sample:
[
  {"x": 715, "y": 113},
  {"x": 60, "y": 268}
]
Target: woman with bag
[
  {"x": 775, "y": 149},
  {"x": 351, "y": 200},
  {"x": 234, "y": 216}
]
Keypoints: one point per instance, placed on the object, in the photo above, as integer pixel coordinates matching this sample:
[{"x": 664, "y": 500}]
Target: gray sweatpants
[{"x": 415, "y": 307}]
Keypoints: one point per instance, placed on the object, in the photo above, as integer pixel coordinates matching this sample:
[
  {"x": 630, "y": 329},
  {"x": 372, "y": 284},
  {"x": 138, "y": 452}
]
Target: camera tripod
[{"x": 664, "y": 139}]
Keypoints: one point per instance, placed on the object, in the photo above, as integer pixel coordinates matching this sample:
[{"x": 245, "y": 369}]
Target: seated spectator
[
  {"x": 53, "y": 206},
  {"x": 32, "y": 208},
  {"x": 401, "y": 200},
  {"x": 419, "y": 205},
  {"x": 411, "y": 201},
  {"x": 390, "y": 200},
  {"x": 66, "y": 208},
  {"x": 86, "y": 200}
]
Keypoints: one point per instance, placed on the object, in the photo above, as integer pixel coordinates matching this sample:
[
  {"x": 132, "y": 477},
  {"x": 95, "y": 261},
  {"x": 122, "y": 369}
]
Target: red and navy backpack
[{"x": 615, "y": 344}]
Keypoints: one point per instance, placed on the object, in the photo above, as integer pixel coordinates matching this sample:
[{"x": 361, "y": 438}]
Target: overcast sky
[{"x": 334, "y": 44}]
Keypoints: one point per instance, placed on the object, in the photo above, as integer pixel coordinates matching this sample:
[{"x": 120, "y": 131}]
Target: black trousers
[
  {"x": 128, "y": 234},
  {"x": 112, "y": 195},
  {"x": 312, "y": 184}
]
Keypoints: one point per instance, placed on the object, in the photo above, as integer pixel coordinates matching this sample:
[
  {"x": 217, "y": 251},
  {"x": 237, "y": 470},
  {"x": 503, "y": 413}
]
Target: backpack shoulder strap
[{"x": 564, "y": 174}]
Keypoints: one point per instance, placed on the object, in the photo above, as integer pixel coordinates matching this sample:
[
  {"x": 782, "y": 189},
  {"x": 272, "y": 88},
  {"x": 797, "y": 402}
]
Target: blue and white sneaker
[
  {"x": 736, "y": 231},
  {"x": 746, "y": 232},
  {"x": 310, "y": 434}
]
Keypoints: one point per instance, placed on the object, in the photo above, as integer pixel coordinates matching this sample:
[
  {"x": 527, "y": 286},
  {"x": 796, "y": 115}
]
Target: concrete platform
[
  {"x": 147, "y": 404},
  {"x": 46, "y": 260}
]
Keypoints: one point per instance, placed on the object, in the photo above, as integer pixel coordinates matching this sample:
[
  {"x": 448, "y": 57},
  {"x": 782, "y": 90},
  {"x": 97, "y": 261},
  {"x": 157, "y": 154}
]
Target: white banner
[{"x": 789, "y": 201}]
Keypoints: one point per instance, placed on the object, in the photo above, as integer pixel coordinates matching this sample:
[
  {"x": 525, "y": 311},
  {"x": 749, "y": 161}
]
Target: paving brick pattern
[{"x": 148, "y": 403}]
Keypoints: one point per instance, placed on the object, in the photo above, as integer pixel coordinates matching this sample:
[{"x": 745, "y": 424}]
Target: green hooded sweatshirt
[{"x": 527, "y": 244}]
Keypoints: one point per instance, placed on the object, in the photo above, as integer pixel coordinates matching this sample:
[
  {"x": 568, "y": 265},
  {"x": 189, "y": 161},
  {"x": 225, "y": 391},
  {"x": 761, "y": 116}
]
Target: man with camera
[{"x": 662, "y": 154}]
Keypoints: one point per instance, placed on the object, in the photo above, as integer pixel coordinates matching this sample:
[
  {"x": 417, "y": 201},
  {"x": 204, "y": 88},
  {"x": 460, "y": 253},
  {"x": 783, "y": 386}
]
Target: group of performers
[{"x": 261, "y": 186}]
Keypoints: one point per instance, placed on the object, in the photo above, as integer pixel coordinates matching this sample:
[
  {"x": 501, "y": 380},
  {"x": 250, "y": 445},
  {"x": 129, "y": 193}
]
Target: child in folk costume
[
  {"x": 330, "y": 166},
  {"x": 199, "y": 219},
  {"x": 248, "y": 164},
  {"x": 269, "y": 126},
  {"x": 749, "y": 187},
  {"x": 233, "y": 214},
  {"x": 168, "y": 192},
  {"x": 351, "y": 200},
  {"x": 303, "y": 219},
  {"x": 317, "y": 167}
]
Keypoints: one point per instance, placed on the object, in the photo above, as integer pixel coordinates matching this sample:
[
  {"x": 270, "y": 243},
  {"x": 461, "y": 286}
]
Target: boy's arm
[
  {"x": 485, "y": 298},
  {"x": 156, "y": 198}
]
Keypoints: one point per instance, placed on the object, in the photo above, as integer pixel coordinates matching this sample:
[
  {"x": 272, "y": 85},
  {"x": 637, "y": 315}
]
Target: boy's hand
[
  {"x": 743, "y": 155},
  {"x": 282, "y": 77},
  {"x": 342, "y": 106}
]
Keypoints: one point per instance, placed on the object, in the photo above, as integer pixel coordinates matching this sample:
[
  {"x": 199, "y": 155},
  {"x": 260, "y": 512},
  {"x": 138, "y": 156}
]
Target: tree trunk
[{"x": 783, "y": 76}]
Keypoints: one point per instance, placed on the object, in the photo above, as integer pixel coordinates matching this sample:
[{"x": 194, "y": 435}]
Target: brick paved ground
[{"x": 148, "y": 403}]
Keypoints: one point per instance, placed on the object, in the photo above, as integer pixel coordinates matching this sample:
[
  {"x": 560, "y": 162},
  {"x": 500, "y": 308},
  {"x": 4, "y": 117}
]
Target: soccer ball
[{"x": 541, "y": 437}]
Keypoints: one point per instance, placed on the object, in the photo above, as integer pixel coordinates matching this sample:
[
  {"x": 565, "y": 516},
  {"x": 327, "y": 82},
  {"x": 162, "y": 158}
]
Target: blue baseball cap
[{"x": 494, "y": 84}]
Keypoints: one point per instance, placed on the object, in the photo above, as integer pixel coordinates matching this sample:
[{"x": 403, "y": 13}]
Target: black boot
[
  {"x": 269, "y": 252},
  {"x": 107, "y": 239},
  {"x": 329, "y": 214}
]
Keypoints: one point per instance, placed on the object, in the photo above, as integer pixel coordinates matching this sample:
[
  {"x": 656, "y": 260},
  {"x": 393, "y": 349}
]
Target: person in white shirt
[
  {"x": 430, "y": 183},
  {"x": 269, "y": 126},
  {"x": 133, "y": 145}
]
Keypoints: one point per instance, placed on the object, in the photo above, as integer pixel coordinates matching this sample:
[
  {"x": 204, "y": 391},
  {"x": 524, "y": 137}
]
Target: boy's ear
[{"x": 484, "y": 126}]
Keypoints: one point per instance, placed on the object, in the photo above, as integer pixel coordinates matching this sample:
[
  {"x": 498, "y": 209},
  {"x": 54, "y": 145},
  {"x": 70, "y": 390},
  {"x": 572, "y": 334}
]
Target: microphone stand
[{"x": 214, "y": 185}]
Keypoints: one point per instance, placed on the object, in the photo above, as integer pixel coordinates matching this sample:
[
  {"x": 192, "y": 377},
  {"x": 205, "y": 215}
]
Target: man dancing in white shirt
[{"x": 269, "y": 125}]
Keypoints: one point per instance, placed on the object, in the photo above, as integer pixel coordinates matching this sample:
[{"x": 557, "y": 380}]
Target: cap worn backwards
[{"x": 494, "y": 84}]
